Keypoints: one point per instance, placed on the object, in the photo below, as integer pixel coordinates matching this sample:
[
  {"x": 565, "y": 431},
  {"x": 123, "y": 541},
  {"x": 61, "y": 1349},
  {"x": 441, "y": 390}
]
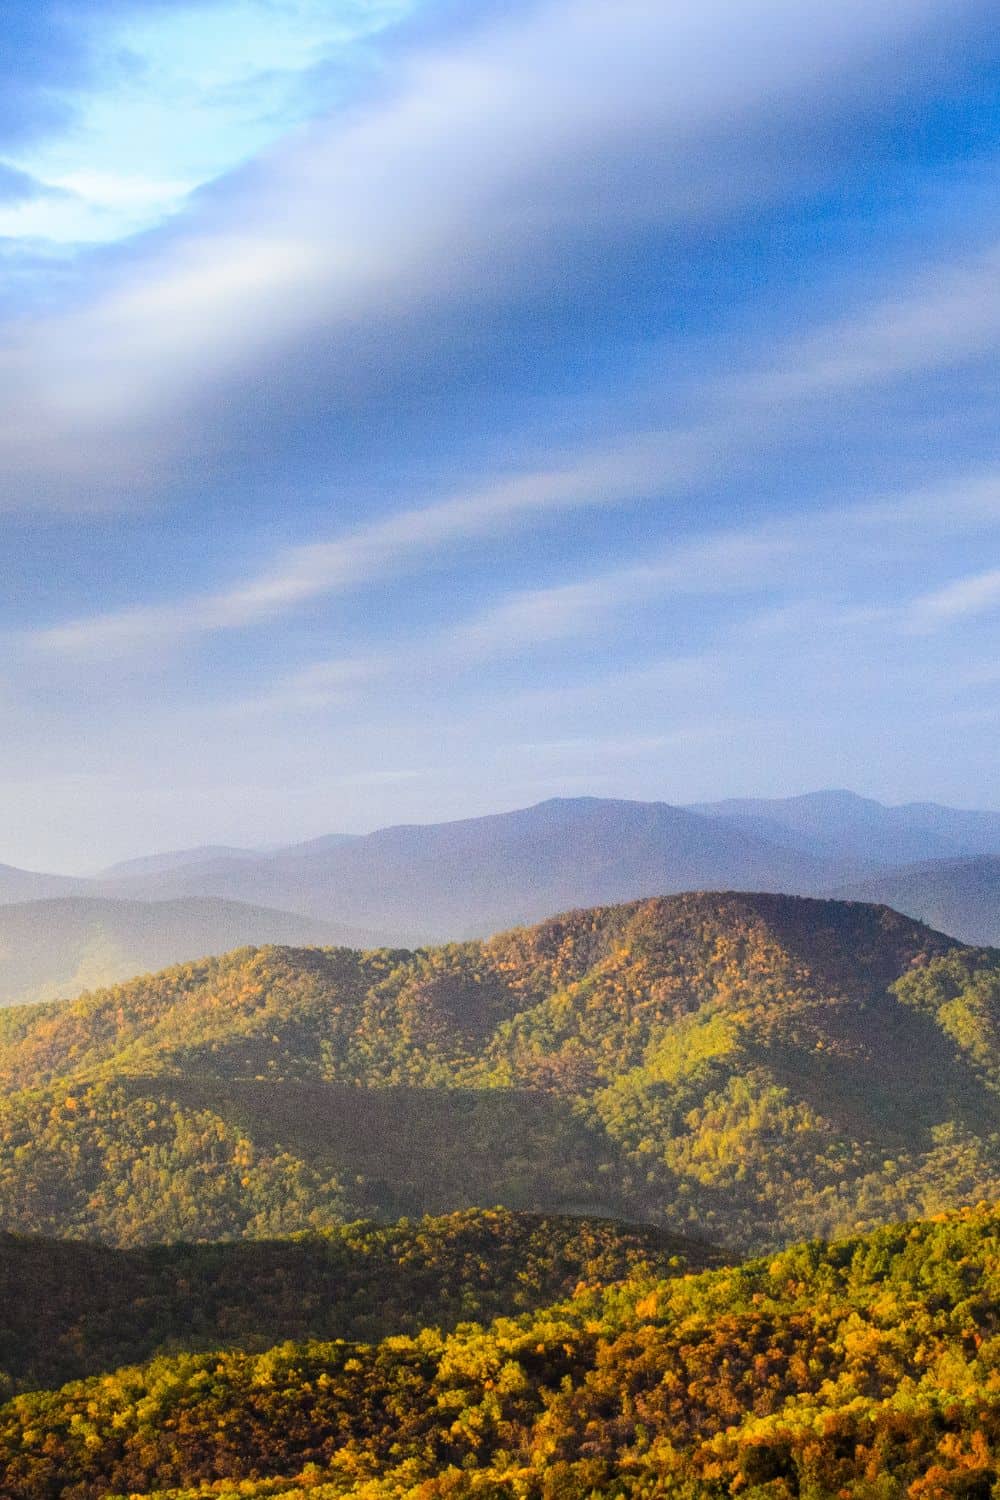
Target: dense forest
[
  {"x": 746, "y": 1069},
  {"x": 691, "y": 1062},
  {"x": 865, "y": 1368},
  {"x": 72, "y": 1309},
  {"x": 650, "y": 1092}
]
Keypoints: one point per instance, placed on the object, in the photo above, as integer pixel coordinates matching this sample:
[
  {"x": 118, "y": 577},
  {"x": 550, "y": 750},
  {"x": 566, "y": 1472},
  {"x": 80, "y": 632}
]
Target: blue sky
[{"x": 415, "y": 409}]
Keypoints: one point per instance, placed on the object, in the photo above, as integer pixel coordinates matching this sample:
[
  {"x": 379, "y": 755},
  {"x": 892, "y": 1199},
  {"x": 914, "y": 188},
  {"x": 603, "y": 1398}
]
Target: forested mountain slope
[
  {"x": 521, "y": 1005},
  {"x": 746, "y": 1068},
  {"x": 863, "y": 1370},
  {"x": 72, "y": 1309}
]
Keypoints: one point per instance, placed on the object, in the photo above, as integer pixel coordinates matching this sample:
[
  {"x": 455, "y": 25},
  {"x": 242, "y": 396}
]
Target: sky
[{"x": 417, "y": 408}]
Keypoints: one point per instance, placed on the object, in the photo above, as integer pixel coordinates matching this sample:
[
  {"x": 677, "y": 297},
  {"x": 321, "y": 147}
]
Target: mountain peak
[{"x": 730, "y": 1060}]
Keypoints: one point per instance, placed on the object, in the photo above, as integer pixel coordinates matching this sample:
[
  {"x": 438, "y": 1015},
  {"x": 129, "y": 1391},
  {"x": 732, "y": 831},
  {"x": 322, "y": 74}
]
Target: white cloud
[
  {"x": 807, "y": 563},
  {"x": 84, "y": 206},
  {"x": 721, "y": 564},
  {"x": 977, "y": 594},
  {"x": 489, "y": 152},
  {"x": 969, "y": 500},
  {"x": 945, "y": 315},
  {"x": 401, "y": 542},
  {"x": 175, "y": 95},
  {"x": 535, "y": 618},
  {"x": 652, "y": 466}
]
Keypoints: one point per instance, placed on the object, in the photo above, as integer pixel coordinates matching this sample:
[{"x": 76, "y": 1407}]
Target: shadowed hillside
[
  {"x": 743, "y": 1067},
  {"x": 75, "y": 1309},
  {"x": 861, "y": 1369}
]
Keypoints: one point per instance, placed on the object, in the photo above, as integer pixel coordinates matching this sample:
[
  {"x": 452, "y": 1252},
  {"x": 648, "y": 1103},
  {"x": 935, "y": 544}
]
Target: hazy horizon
[
  {"x": 416, "y": 409},
  {"x": 270, "y": 846}
]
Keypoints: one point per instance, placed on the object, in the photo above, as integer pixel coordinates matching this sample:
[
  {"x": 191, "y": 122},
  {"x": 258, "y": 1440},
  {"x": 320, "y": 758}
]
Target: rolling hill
[
  {"x": 862, "y": 1370},
  {"x": 742, "y": 1067},
  {"x": 208, "y": 854},
  {"x": 733, "y": 1067},
  {"x": 72, "y": 1309},
  {"x": 30, "y": 885},
  {"x": 174, "y": 859},
  {"x": 64, "y": 945}
]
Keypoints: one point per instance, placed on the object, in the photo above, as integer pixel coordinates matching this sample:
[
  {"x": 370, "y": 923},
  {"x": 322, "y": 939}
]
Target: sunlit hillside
[
  {"x": 746, "y": 1068},
  {"x": 862, "y": 1369}
]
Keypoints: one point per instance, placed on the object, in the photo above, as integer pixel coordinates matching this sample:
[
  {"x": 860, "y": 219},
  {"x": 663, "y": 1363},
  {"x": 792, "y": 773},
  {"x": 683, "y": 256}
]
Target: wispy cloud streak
[
  {"x": 743, "y": 413},
  {"x": 453, "y": 187},
  {"x": 401, "y": 542},
  {"x": 977, "y": 594}
]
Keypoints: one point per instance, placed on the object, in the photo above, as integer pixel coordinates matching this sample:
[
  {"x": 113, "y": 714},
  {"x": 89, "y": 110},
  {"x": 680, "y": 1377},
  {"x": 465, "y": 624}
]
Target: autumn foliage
[
  {"x": 741, "y": 1067},
  {"x": 866, "y": 1368}
]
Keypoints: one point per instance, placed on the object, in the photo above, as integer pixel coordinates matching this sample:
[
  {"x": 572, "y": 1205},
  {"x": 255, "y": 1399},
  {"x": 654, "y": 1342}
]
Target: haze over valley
[{"x": 419, "y": 884}]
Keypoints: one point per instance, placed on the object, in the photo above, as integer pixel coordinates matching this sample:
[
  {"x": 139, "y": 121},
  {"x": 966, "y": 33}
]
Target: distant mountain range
[
  {"x": 417, "y": 884},
  {"x": 468, "y": 878},
  {"x": 858, "y": 834},
  {"x": 27, "y": 885},
  {"x": 957, "y": 896},
  {"x": 67, "y": 944},
  {"x": 210, "y": 854}
]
